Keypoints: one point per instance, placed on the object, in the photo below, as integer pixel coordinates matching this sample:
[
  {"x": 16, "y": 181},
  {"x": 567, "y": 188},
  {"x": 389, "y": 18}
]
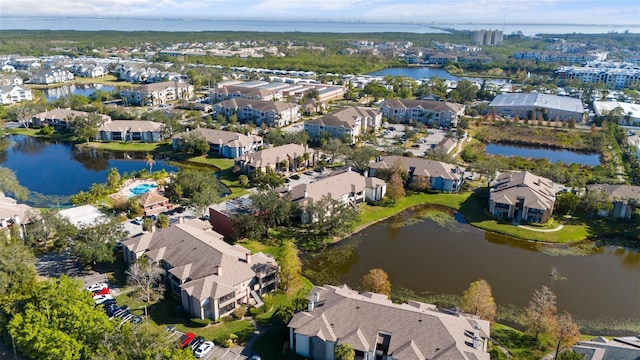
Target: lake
[
  {"x": 75, "y": 89},
  {"x": 421, "y": 255},
  {"x": 58, "y": 170},
  {"x": 553, "y": 155}
]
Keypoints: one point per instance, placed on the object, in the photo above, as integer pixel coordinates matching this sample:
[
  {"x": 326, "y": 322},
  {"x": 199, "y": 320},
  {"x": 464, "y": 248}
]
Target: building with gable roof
[
  {"x": 348, "y": 187},
  {"x": 157, "y": 93},
  {"x": 276, "y": 158},
  {"x": 153, "y": 203},
  {"x": 601, "y": 348},
  {"x": 210, "y": 276},
  {"x": 440, "y": 176},
  {"x": 131, "y": 130},
  {"x": 522, "y": 196},
  {"x": 60, "y": 118},
  {"x": 271, "y": 113},
  {"x": 625, "y": 199},
  {"x": 349, "y": 123},
  {"x": 12, "y": 94},
  {"x": 436, "y": 113},
  {"x": 376, "y": 328},
  {"x": 228, "y": 144}
]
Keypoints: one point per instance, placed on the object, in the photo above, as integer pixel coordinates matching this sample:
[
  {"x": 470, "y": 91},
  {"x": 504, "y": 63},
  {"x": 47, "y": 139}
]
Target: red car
[
  {"x": 186, "y": 339},
  {"x": 104, "y": 291}
]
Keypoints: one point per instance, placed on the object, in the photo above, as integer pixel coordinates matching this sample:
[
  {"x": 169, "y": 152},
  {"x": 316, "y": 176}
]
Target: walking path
[{"x": 542, "y": 230}]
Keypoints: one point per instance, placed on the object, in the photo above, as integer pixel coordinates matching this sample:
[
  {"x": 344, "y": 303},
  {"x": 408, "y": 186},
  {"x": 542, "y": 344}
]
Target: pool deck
[{"x": 125, "y": 189}]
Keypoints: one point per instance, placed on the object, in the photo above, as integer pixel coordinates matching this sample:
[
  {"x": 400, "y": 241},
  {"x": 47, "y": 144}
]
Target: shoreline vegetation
[{"x": 469, "y": 203}]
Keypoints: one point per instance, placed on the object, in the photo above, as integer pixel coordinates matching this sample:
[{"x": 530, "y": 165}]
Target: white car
[
  {"x": 203, "y": 349},
  {"x": 99, "y": 299},
  {"x": 97, "y": 287},
  {"x": 137, "y": 221}
]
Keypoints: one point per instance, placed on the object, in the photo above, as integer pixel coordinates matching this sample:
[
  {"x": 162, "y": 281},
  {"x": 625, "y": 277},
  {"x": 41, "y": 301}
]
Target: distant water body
[{"x": 151, "y": 24}]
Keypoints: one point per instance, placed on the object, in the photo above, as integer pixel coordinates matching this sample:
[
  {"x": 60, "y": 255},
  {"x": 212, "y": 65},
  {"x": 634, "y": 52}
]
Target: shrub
[
  {"x": 200, "y": 322},
  {"x": 239, "y": 312}
]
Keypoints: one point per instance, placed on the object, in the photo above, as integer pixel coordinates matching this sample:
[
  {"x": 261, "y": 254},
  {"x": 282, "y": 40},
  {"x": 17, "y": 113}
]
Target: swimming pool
[{"x": 141, "y": 189}]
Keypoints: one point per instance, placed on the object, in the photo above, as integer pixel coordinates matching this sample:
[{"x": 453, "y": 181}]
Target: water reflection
[{"x": 91, "y": 160}]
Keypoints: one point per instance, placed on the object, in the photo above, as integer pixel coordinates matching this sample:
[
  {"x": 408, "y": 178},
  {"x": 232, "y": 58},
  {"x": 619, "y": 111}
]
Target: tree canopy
[
  {"x": 376, "y": 280},
  {"x": 478, "y": 300}
]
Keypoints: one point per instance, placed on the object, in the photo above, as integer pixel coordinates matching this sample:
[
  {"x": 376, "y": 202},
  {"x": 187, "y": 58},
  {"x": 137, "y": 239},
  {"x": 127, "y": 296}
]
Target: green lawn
[
  {"x": 519, "y": 344},
  {"x": 371, "y": 214},
  {"x": 166, "y": 313},
  {"x": 123, "y": 146}
]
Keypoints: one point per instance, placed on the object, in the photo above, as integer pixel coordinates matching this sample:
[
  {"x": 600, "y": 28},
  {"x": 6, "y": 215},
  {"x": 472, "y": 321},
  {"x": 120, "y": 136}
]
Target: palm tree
[{"x": 150, "y": 162}]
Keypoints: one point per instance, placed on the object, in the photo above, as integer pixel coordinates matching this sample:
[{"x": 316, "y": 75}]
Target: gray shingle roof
[
  {"x": 222, "y": 137},
  {"x": 196, "y": 252},
  {"x": 618, "y": 192},
  {"x": 422, "y": 167},
  {"x": 344, "y": 117},
  {"x": 436, "y": 106},
  {"x": 417, "y": 332},
  {"x": 538, "y": 192}
]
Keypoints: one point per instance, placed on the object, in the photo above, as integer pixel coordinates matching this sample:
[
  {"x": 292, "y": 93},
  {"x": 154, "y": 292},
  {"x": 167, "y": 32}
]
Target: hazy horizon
[{"x": 436, "y": 12}]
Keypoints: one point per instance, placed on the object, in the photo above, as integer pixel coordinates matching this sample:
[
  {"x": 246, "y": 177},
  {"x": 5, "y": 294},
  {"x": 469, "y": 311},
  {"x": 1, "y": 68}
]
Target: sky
[{"x": 605, "y": 12}]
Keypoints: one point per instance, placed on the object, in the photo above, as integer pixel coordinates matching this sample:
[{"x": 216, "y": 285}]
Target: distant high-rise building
[{"x": 487, "y": 37}]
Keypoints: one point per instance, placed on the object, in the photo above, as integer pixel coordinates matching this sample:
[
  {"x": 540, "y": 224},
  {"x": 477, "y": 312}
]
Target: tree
[
  {"x": 85, "y": 127},
  {"x": 271, "y": 209},
  {"x": 95, "y": 243},
  {"x": 48, "y": 228},
  {"x": 9, "y": 184},
  {"x": 395, "y": 188},
  {"x": 143, "y": 341},
  {"x": 17, "y": 271},
  {"x": 539, "y": 316},
  {"x": 376, "y": 280},
  {"x": 344, "y": 352},
  {"x": 488, "y": 166},
  {"x": 331, "y": 216},
  {"x": 150, "y": 162},
  {"x": 290, "y": 267},
  {"x": 334, "y": 147},
  {"x": 163, "y": 221},
  {"x": 596, "y": 201},
  {"x": 145, "y": 276},
  {"x": 566, "y": 203},
  {"x": 196, "y": 189},
  {"x": 478, "y": 300},
  {"x": 113, "y": 179},
  {"x": 359, "y": 158},
  {"x": 244, "y": 180},
  {"x": 566, "y": 331},
  {"x": 59, "y": 321},
  {"x": 193, "y": 143}
]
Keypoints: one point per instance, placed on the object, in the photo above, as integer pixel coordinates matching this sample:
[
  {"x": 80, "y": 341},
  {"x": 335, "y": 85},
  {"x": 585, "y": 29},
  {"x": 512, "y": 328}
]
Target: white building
[{"x": 14, "y": 94}]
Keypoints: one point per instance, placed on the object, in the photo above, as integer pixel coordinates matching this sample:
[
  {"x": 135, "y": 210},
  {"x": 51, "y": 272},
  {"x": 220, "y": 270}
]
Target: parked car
[
  {"x": 295, "y": 177},
  {"x": 308, "y": 172},
  {"x": 102, "y": 298},
  {"x": 97, "y": 287},
  {"x": 255, "y": 357},
  {"x": 136, "y": 320},
  {"x": 197, "y": 342},
  {"x": 186, "y": 339},
  {"x": 103, "y": 291},
  {"x": 137, "y": 221},
  {"x": 203, "y": 349}
]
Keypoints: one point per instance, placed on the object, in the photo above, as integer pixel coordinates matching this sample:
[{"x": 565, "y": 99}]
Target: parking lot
[
  {"x": 218, "y": 352},
  {"x": 392, "y": 134}
]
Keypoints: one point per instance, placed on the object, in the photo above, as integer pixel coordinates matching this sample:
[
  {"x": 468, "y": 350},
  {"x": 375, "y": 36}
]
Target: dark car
[
  {"x": 197, "y": 342},
  {"x": 295, "y": 177}
]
